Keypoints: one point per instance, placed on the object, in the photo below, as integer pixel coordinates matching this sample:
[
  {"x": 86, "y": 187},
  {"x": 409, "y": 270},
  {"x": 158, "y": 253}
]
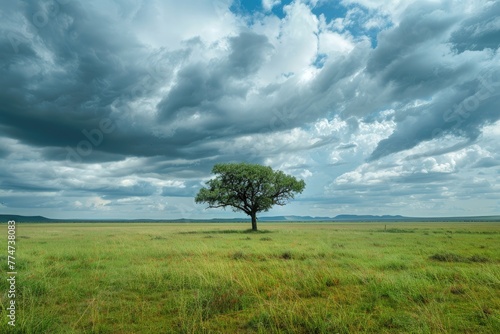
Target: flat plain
[{"x": 287, "y": 278}]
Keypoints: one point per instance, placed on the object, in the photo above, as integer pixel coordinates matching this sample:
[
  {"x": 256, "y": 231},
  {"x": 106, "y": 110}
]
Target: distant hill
[
  {"x": 338, "y": 218},
  {"x": 24, "y": 219},
  {"x": 371, "y": 218}
]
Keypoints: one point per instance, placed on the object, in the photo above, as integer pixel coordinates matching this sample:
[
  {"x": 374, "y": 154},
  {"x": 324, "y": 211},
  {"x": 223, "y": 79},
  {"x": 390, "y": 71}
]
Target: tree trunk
[{"x": 254, "y": 221}]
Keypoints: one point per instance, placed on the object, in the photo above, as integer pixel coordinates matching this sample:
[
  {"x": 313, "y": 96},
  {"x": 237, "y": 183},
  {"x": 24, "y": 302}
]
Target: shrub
[
  {"x": 448, "y": 257},
  {"x": 238, "y": 255},
  {"x": 451, "y": 257},
  {"x": 478, "y": 258}
]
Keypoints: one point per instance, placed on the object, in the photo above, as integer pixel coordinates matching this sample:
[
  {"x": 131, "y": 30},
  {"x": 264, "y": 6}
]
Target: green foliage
[{"x": 249, "y": 188}]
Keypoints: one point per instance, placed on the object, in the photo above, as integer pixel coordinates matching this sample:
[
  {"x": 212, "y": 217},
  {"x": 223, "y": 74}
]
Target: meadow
[{"x": 287, "y": 278}]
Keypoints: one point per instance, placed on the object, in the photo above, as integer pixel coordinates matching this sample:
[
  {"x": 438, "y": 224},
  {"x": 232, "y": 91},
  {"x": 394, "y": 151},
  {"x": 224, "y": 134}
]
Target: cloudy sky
[{"x": 119, "y": 109}]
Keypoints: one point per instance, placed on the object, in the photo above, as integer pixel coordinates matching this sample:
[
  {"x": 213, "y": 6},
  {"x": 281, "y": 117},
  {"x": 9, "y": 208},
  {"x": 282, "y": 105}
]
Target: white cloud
[
  {"x": 160, "y": 24},
  {"x": 295, "y": 43},
  {"x": 269, "y": 4},
  {"x": 97, "y": 203},
  {"x": 393, "y": 8},
  {"x": 334, "y": 44},
  {"x": 306, "y": 173}
]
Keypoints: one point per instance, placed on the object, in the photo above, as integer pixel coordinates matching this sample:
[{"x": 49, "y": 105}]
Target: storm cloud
[{"x": 120, "y": 109}]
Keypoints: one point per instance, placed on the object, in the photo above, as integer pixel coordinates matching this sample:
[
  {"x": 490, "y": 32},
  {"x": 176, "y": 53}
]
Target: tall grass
[{"x": 297, "y": 278}]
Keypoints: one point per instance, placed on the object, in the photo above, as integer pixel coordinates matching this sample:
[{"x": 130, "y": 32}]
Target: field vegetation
[{"x": 286, "y": 278}]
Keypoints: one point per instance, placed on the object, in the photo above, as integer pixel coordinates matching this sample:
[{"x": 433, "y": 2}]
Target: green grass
[{"x": 221, "y": 278}]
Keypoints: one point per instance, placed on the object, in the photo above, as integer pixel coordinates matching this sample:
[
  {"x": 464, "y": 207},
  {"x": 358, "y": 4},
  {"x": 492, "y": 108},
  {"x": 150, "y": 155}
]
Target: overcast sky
[{"x": 119, "y": 109}]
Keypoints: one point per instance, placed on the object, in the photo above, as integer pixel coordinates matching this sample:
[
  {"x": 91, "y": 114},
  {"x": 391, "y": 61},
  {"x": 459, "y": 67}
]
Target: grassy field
[{"x": 289, "y": 278}]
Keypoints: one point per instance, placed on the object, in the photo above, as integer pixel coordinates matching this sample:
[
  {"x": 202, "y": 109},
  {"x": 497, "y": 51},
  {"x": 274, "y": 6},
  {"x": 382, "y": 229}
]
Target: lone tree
[{"x": 250, "y": 188}]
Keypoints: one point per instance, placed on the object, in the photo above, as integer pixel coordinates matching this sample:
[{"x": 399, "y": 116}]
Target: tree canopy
[{"x": 250, "y": 188}]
